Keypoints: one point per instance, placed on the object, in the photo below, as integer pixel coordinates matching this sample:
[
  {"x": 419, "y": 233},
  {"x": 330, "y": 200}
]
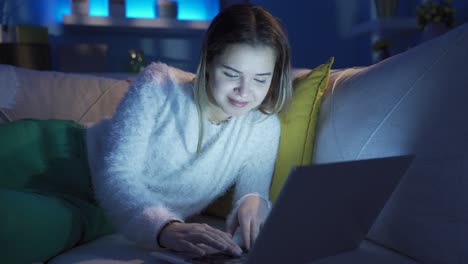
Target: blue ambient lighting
[
  {"x": 140, "y": 8},
  {"x": 98, "y": 7},
  {"x": 188, "y": 9}
]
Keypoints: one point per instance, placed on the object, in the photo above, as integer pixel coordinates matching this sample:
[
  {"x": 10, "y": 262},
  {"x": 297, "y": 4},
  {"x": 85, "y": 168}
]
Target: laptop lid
[{"x": 326, "y": 209}]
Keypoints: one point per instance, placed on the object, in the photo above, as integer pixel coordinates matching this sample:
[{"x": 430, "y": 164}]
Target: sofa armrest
[{"x": 54, "y": 95}]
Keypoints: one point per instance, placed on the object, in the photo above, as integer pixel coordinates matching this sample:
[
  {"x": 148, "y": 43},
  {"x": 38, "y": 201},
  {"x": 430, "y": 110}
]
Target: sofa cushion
[
  {"x": 53, "y": 95},
  {"x": 411, "y": 103},
  {"x": 298, "y": 125}
]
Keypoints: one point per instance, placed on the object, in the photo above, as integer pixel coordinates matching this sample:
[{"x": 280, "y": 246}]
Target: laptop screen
[{"x": 327, "y": 209}]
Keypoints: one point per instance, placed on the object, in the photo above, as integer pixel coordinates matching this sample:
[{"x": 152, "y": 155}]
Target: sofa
[{"x": 412, "y": 103}]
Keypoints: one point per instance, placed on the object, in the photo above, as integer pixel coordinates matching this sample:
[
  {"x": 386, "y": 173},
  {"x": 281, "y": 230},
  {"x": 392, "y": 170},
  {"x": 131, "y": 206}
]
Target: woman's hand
[
  {"x": 194, "y": 237},
  {"x": 251, "y": 215}
]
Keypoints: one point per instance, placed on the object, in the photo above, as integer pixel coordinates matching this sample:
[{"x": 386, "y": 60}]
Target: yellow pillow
[
  {"x": 297, "y": 133},
  {"x": 298, "y": 124}
]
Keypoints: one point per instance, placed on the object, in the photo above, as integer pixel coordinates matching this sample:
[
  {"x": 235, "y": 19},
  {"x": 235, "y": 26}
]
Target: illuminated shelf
[{"x": 134, "y": 23}]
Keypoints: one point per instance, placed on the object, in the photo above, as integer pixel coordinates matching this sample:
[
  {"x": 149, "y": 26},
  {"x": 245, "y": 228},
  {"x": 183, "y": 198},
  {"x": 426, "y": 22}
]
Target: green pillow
[
  {"x": 52, "y": 151},
  {"x": 298, "y": 124},
  {"x": 36, "y": 227},
  {"x": 46, "y": 201},
  {"x": 297, "y": 133}
]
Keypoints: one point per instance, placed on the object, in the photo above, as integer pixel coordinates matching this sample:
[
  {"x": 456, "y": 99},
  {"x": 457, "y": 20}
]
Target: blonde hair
[{"x": 253, "y": 25}]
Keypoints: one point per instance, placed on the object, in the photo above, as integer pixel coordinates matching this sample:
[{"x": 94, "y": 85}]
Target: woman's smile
[{"x": 236, "y": 103}]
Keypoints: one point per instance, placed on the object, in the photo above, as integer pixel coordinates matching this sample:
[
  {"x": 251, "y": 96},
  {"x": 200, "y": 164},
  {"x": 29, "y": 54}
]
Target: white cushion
[{"x": 415, "y": 102}]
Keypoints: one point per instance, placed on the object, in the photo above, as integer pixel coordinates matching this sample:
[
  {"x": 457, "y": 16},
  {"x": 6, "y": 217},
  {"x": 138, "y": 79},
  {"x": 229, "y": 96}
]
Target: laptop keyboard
[{"x": 219, "y": 258}]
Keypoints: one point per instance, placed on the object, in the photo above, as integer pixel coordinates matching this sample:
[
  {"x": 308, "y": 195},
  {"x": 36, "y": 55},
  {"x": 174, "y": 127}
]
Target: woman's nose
[{"x": 244, "y": 88}]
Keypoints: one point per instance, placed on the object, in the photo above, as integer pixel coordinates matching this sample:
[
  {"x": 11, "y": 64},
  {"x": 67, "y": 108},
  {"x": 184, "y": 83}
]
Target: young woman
[
  {"x": 174, "y": 146},
  {"x": 177, "y": 142}
]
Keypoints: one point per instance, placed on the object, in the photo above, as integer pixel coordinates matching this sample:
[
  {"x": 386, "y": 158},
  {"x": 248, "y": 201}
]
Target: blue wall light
[
  {"x": 188, "y": 9},
  {"x": 140, "y": 8},
  {"x": 98, "y": 7},
  {"x": 63, "y": 8}
]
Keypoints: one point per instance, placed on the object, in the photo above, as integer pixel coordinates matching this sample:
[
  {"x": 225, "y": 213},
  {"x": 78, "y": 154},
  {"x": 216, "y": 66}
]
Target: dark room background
[{"x": 317, "y": 31}]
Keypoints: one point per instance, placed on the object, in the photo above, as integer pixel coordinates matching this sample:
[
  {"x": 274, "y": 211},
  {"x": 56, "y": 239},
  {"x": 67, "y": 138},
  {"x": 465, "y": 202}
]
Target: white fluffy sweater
[{"x": 144, "y": 162}]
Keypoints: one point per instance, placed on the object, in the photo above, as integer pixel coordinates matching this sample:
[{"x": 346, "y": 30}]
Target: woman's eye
[
  {"x": 260, "y": 81},
  {"x": 230, "y": 75}
]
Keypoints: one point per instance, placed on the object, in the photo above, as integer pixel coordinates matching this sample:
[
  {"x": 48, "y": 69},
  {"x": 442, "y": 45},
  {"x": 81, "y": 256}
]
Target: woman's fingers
[
  {"x": 245, "y": 227},
  {"x": 187, "y": 246},
  {"x": 250, "y": 230},
  {"x": 208, "y": 249},
  {"x": 229, "y": 245},
  {"x": 189, "y": 237},
  {"x": 204, "y": 234},
  {"x": 227, "y": 238},
  {"x": 254, "y": 230},
  {"x": 251, "y": 213},
  {"x": 208, "y": 239},
  {"x": 233, "y": 226}
]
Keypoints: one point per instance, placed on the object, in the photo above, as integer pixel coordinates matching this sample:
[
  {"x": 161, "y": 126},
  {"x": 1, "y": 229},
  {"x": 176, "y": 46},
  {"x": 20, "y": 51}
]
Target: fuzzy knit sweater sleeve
[
  {"x": 256, "y": 173},
  {"x": 128, "y": 201}
]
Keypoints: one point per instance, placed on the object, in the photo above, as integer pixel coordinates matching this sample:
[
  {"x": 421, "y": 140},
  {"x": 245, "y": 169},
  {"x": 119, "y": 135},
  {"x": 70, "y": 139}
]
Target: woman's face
[{"x": 239, "y": 79}]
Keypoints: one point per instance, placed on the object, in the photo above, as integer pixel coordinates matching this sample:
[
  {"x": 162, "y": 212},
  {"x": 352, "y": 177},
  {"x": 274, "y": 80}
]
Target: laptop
[{"x": 322, "y": 210}]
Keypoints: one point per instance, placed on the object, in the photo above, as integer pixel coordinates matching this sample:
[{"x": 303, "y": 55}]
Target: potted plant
[
  {"x": 382, "y": 48},
  {"x": 435, "y": 18}
]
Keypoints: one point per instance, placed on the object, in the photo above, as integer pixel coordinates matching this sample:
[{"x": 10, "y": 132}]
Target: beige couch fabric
[{"x": 53, "y": 95}]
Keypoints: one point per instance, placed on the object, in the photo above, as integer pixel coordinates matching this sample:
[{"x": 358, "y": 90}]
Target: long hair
[{"x": 253, "y": 25}]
